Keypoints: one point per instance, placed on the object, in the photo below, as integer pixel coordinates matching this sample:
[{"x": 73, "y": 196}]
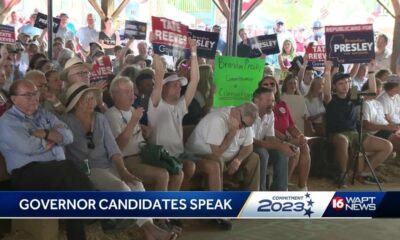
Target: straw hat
[
  {"x": 73, "y": 62},
  {"x": 74, "y": 93}
]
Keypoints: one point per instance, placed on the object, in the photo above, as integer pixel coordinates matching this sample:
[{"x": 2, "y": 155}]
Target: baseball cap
[
  {"x": 339, "y": 76},
  {"x": 317, "y": 24}
]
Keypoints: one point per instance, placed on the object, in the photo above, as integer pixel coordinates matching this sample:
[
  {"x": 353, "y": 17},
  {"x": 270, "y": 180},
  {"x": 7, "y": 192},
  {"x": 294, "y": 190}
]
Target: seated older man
[
  {"x": 226, "y": 134},
  {"x": 128, "y": 133},
  {"x": 32, "y": 141}
]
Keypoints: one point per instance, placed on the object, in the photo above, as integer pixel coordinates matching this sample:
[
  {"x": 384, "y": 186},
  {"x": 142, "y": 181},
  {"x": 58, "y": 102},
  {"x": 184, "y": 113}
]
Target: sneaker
[
  {"x": 367, "y": 179},
  {"x": 224, "y": 224}
]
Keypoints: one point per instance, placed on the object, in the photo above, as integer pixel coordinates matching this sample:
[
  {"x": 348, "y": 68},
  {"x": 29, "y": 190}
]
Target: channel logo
[
  {"x": 338, "y": 203},
  {"x": 353, "y": 203}
]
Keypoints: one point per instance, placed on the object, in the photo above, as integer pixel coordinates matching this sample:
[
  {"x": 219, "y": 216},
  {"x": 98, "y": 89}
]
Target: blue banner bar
[{"x": 121, "y": 204}]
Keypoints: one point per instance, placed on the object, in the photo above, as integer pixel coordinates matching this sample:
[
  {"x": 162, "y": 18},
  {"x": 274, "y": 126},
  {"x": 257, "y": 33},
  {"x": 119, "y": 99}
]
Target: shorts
[
  {"x": 189, "y": 157},
  {"x": 352, "y": 137},
  {"x": 383, "y": 134}
]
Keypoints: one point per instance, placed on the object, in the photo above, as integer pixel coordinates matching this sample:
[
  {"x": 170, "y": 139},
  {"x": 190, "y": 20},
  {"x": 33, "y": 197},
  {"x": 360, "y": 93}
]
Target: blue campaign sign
[
  {"x": 135, "y": 29},
  {"x": 121, "y": 204},
  {"x": 41, "y": 22},
  {"x": 350, "y": 43},
  {"x": 206, "y": 42},
  {"x": 268, "y": 44}
]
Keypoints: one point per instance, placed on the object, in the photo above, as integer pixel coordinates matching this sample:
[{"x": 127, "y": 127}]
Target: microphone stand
[{"x": 361, "y": 149}]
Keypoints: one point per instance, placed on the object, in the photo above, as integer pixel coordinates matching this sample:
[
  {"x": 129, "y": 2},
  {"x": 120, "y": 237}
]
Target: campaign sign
[
  {"x": 7, "y": 34},
  {"x": 350, "y": 43},
  {"x": 268, "y": 44},
  {"x": 316, "y": 55},
  {"x": 206, "y": 42},
  {"x": 101, "y": 69},
  {"x": 41, "y": 22},
  {"x": 135, "y": 29},
  {"x": 170, "y": 37},
  {"x": 236, "y": 79}
]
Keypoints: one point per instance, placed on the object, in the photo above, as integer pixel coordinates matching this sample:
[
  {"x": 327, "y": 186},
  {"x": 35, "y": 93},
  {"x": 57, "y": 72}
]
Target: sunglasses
[{"x": 89, "y": 139}]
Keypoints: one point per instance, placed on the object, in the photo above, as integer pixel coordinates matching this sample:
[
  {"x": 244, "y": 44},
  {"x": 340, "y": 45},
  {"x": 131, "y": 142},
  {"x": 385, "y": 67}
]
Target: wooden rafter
[
  {"x": 396, "y": 7},
  {"x": 4, "y": 12},
  {"x": 396, "y": 35},
  {"x": 120, "y": 8},
  {"x": 97, "y": 8},
  {"x": 250, "y": 10},
  {"x": 225, "y": 8}
]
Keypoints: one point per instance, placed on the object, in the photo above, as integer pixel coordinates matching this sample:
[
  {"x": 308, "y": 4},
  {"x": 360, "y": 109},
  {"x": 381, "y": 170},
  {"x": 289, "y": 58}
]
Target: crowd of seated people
[{"x": 62, "y": 130}]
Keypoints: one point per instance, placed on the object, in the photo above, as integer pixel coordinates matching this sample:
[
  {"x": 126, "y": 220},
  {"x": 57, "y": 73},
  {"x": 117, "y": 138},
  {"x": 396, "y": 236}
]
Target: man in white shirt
[
  {"x": 88, "y": 34},
  {"x": 375, "y": 122},
  {"x": 382, "y": 54},
  {"x": 129, "y": 134},
  {"x": 63, "y": 32},
  {"x": 267, "y": 146},
  {"x": 167, "y": 108},
  {"x": 388, "y": 100},
  {"x": 226, "y": 134}
]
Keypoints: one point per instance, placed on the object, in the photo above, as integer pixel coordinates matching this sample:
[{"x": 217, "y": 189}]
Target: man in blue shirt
[{"x": 32, "y": 141}]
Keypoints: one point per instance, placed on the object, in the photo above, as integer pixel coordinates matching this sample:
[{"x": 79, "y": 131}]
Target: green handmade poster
[{"x": 236, "y": 79}]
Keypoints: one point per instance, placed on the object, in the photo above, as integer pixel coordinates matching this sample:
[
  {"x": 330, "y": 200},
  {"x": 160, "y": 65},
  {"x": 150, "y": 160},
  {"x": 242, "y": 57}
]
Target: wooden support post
[{"x": 396, "y": 35}]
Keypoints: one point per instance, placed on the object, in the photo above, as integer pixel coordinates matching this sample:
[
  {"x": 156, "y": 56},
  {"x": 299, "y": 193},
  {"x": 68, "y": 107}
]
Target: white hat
[
  {"x": 175, "y": 77},
  {"x": 74, "y": 93},
  {"x": 74, "y": 61}
]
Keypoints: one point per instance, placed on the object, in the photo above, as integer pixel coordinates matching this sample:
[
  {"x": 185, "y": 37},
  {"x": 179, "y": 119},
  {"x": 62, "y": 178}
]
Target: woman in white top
[{"x": 315, "y": 110}]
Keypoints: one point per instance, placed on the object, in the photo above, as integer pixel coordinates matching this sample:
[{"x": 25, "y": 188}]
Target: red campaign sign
[
  {"x": 101, "y": 69},
  {"x": 7, "y": 34},
  {"x": 170, "y": 33},
  {"x": 316, "y": 53}
]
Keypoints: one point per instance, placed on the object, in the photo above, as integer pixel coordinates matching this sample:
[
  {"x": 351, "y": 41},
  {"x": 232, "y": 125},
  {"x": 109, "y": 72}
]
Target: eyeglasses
[
  {"x": 81, "y": 74},
  {"x": 29, "y": 94},
  {"x": 243, "y": 122},
  {"x": 90, "y": 142}
]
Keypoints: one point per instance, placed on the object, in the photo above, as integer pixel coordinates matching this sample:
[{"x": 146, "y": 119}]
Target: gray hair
[
  {"x": 249, "y": 110},
  {"x": 130, "y": 59},
  {"x": 130, "y": 71},
  {"x": 64, "y": 56},
  {"x": 33, "y": 74},
  {"x": 114, "y": 86}
]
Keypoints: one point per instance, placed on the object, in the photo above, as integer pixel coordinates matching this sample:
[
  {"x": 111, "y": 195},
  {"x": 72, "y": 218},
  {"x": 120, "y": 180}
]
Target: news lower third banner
[{"x": 258, "y": 205}]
